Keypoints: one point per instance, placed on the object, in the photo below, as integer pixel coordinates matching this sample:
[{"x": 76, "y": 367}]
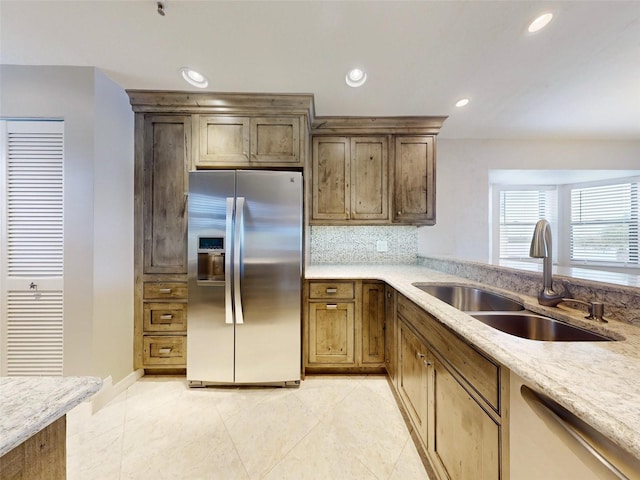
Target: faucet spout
[{"x": 541, "y": 247}]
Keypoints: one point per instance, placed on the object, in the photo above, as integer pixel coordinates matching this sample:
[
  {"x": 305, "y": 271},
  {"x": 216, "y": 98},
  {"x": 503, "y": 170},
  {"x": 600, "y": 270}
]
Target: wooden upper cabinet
[
  {"x": 369, "y": 178},
  {"x": 385, "y": 177},
  {"x": 167, "y": 148},
  {"x": 350, "y": 180},
  {"x": 275, "y": 140},
  {"x": 224, "y": 140},
  {"x": 331, "y": 187},
  {"x": 414, "y": 181},
  {"x": 248, "y": 141}
]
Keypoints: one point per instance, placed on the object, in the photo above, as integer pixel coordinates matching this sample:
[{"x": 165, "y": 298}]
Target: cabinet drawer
[
  {"x": 165, "y": 317},
  {"x": 324, "y": 290},
  {"x": 165, "y": 350},
  {"x": 165, "y": 290},
  {"x": 482, "y": 373}
]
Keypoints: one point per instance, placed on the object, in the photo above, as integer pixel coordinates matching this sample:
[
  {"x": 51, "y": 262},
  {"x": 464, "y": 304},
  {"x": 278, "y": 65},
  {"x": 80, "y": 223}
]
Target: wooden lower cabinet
[
  {"x": 373, "y": 318},
  {"x": 41, "y": 456},
  {"x": 161, "y": 332},
  {"x": 344, "y": 326},
  {"x": 331, "y": 333},
  {"x": 464, "y": 440},
  {"x": 390, "y": 344},
  {"x": 454, "y": 397},
  {"x": 413, "y": 381}
]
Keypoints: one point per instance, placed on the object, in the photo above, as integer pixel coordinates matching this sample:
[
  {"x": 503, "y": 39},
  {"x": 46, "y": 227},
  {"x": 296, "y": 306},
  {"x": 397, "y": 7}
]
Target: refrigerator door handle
[
  {"x": 237, "y": 258},
  {"x": 228, "y": 303}
]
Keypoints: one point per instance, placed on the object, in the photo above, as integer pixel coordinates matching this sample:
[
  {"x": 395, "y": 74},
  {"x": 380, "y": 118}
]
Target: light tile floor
[{"x": 332, "y": 427}]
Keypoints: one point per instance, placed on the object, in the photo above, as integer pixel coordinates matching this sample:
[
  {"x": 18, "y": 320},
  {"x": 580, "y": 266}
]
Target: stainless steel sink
[
  {"x": 470, "y": 299},
  {"x": 535, "y": 327}
]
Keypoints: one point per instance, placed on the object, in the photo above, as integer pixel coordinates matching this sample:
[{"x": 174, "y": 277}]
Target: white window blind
[
  {"x": 33, "y": 252},
  {"x": 604, "y": 224},
  {"x": 520, "y": 209}
]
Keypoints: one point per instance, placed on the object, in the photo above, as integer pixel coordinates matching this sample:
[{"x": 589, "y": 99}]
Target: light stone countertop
[
  {"x": 30, "y": 404},
  {"x": 597, "y": 381}
]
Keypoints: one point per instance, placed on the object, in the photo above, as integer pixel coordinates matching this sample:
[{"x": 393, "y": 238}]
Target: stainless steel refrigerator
[{"x": 245, "y": 268}]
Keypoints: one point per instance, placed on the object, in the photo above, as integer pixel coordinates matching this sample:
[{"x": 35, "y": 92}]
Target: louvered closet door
[{"x": 32, "y": 248}]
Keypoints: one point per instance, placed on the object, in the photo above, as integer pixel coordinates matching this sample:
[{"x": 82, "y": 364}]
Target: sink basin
[
  {"x": 470, "y": 299},
  {"x": 536, "y": 327}
]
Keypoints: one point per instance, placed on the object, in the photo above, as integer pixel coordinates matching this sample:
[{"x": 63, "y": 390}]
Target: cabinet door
[
  {"x": 275, "y": 140},
  {"x": 331, "y": 171},
  {"x": 373, "y": 316},
  {"x": 167, "y": 147},
  {"x": 413, "y": 378},
  {"x": 331, "y": 333},
  {"x": 369, "y": 178},
  {"x": 414, "y": 182},
  {"x": 390, "y": 347},
  {"x": 223, "y": 140},
  {"x": 464, "y": 440}
]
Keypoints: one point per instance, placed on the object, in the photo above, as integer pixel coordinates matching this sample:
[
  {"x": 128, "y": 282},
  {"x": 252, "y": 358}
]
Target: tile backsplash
[{"x": 359, "y": 244}]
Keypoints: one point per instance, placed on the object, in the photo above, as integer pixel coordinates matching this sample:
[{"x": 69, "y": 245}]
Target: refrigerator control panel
[{"x": 211, "y": 256}]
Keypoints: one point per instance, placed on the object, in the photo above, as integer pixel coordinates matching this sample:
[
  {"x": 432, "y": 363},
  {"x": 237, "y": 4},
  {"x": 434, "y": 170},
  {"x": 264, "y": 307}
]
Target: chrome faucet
[{"x": 541, "y": 248}]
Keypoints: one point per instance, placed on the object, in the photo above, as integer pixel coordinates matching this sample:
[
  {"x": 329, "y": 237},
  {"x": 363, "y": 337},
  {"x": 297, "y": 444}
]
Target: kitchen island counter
[
  {"x": 30, "y": 404},
  {"x": 597, "y": 381}
]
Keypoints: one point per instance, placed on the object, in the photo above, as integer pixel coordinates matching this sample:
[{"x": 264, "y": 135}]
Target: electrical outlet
[{"x": 381, "y": 246}]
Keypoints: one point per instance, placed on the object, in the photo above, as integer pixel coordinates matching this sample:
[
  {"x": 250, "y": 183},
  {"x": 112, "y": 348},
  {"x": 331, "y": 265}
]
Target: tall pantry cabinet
[
  {"x": 176, "y": 132},
  {"x": 163, "y": 149}
]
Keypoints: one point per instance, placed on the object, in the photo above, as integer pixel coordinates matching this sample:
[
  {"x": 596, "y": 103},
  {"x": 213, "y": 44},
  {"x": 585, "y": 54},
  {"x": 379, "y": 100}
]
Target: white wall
[
  {"x": 113, "y": 230},
  {"x": 98, "y": 196},
  {"x": 462, "y": 185}
]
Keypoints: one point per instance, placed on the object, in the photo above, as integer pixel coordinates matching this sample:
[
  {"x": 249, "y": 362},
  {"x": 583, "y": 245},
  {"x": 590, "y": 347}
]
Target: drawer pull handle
[
  {"x": 164, "y": 350},
  {"x": 331, "y": 306},
  {"x": 419, "y": 355},
  {"x": 166, "y": 316},
  {"x": 332, "y": 290},
  {"x": 164, "y": 290}
]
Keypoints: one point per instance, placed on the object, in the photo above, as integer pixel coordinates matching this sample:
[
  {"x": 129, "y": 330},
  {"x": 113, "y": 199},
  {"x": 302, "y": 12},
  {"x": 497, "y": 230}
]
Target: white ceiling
[{"x": 578, "y": 78}]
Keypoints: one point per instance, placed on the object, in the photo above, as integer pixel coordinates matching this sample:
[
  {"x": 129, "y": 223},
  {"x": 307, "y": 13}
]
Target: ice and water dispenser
[{"x": 211, "y": 257}]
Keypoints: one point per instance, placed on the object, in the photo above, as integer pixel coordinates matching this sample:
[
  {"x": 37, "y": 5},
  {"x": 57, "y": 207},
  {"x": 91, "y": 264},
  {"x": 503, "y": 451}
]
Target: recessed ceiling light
[
  {"x": 540, "y": 22},
  {"x": 355, "y": 77},
  {"x": 194, "y": 78},
  {"x": 462, "y": 102}
]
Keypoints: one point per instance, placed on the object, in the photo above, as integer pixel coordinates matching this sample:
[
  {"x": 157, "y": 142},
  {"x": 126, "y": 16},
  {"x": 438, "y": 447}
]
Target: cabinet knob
[
  {"x": 427, "y": 363},
  {"x": 399, "y": 213},
  {"x": 420, "y": 355}
]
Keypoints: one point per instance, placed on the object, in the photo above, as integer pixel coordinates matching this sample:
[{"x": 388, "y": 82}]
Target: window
[
  {"x": 594, "y": 223},
  {"x": 520, "y": 209},
  {"x": 604, "y": 224}
]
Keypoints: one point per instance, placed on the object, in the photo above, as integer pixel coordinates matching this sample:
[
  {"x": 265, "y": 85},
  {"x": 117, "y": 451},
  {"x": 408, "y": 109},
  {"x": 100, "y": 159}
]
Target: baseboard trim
[{"x": 109, "y": 391}]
